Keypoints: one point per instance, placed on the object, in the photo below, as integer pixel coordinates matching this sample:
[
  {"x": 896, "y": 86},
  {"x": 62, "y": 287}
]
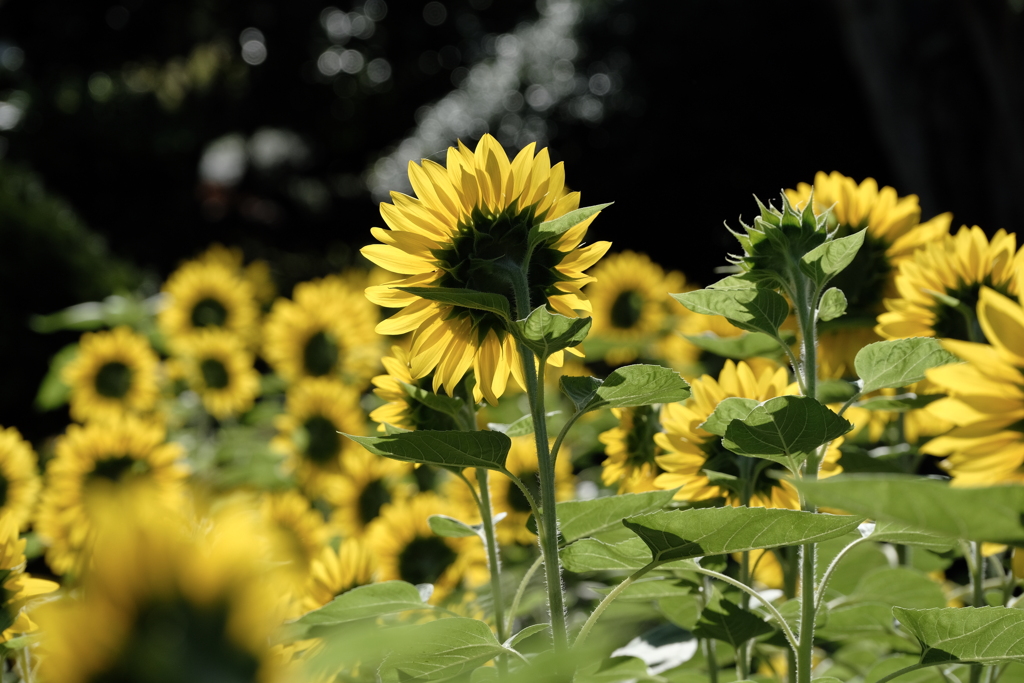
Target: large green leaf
[
  {"x": 592, "y": 555},
  {"x": 562, "y": 224},
  {"x": 580, "y": 390},
  {"x": 364, "y": 602},
  {"x": 681, "y": 534},
  {"x": 984, "y": 635},
  {"x": 439, "y": 650},
  {"x": 580, "y": 518},
  {"x": 854, "y": 620},
  {"x": 449, "y": 405},
  {"x": 899, "y": 586},
  {"x": 732, "y": 408},
  {"x": 635, "y": 385},
  {"x": 446, "y": 449},
  {"x": 975, "y": 514},
  {"x": 545, "y": 332},
  {"x": 826, "y": 260},
  {"x": 465, "y": 298},
  {"x": 784, "y": 429},
  {"x": 900, "y": 362},
  {"x": 731, "y": 624},
  {"x": 740, "y": 347},
  {"x": 751, "y": 309},
  {"x": 902, "y": 533},
  {"x": 658, "y": 588}
]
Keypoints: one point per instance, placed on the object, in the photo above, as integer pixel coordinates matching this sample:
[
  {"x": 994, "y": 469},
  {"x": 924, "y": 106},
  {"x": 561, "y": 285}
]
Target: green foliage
[
  {"x": 445, "y": 449},
  {"x": 832, "y": 304},
  {"x": 627, "y": 387},
  {"x": 899, "y": 404},
  {"x": 544, "y": 332},
  {"x": 682, "y": 534},
  {"x": 580, "y": 518},
  {"x": 899, "y": 587},
  {"x": 555, "y": 227},
  {"x": 905, "y": 534},
  {"x": 449, "y": 405},
  {"x": 825, "y": 261},
  {"x": 984, "y": 635},
  {"x": 449, "y": 527},
  {"x": 439, "y": 650},
  {"x": 592, "y": 555},
  {"x": 975, "y": 514},
  {"x": 739, "y": 348},
  {"x": 464, "y": 298},
  {"x": 730, "y": 623},
  {"x": 732, "y": 408},
  {"x": 520, "y": 427},
  {"x": 785, "y": 429},
  {"x": 53, "y": 393},
  {"x": 897, "y": 363},
  {"x": 364, "y": 602},
  {"x": 741, "y": 302}
]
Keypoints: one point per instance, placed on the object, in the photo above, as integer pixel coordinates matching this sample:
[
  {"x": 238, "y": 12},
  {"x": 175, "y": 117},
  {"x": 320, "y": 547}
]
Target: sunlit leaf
[
  {"x": 635, "y": 385},
  {"x": 562, "y": 224},
  {"x": 900, "y": 362},
  {"x": 464, "y": 298},
  {"x": 899, "y": 586},
  {"x": 446, "y": 449},
  {"x": 984, "y": 635},
  {"x": 439, "y": 650},
  {"x": 827, "y": 260},
  {"x": 784, "y": 429},
  {"x": 833, "y": 304},
  {"x": 905, "y": 534},
  {"x": 580, "y": 518},
  {"x": 449, "y": 527},
  {"x": 899, "y": 404},
  {"x": 544, "y": 332},
  {"x": 753, "y": 309},
  {"x": 732, "y": 408},
  {"x": 364, "y": 602}
]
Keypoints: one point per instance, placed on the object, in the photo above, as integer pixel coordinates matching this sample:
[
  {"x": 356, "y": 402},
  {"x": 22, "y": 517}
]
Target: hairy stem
[
  {"x": 977, "y": 568},
  {"x": 615, "y": 592},
  {"x": 493, "y": 559},
  {"x": 521, "y": 591}
]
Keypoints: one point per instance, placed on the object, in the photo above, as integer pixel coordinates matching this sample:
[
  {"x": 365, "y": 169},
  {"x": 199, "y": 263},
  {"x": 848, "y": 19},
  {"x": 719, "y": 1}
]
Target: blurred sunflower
[
  {"x": 400, "y": 409},
  {"x": 507, "y": 498},
  {"x": 297, "y": 530},
  {"x": 220, "y": 370},
  {"x": 631, "y": 450},
  {"x": 19, "y": 478},
  {"x": 468, "y": 228},
  {"x": 315, "y": 411},
  {"x": 939, "y": 287},
  {"x": 257, "y": 273},
  {"x": 18, "y": 588},
  {"x": 915, "y": 426},
  {"x": 336, "y": 571},
  {"x": 407, "y": 550},
  {"x": 986, "y": 399},
  {"x": 630, "y": 303},
  {"x": 115, "y": 372},
  {"x": 166, "y": 600},
  {"x": 894, "y": 232},
  {"x": 370, "y": 483},
  {"x": 207, "y": 294},
  {"x": 690, "y": 452},
  {"x": 327, "y": 330},
  {"x": 91, "y": 461}
]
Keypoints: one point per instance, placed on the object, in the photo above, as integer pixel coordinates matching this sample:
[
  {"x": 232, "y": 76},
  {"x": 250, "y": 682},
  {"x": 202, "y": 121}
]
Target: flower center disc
[
  {"x": 323, "y": 440},
  {"x": 215, "y": 375},
  {"x": 320, "y": 354},
  {"x": 372, "y": 498},
  {"x": 626, "y": 309},
  {"x": 209, "y": 313},
  {"x": 113, "y": 380},
  {"x": 424, "y": 560},
  {"x": 113, "y": 468}
]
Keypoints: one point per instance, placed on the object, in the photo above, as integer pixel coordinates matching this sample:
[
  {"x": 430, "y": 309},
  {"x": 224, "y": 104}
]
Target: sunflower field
[{"x": 501, "y": 451}]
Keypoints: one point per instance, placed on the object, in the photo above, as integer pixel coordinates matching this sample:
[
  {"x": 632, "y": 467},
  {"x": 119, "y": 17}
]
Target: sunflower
[
  {"x": 166, "y": 599},
  {"x": 407, "y": 550},
  {"x": 337, "y": 571},
  {"x": 630, "y": 303},
  {"x": 690, "y": 452},
  {"x": 88, "y": 463},
  {"x": 915, "y": 426},
  {"x": 956, "y": 267},
  {"x": 19, "y": 478},
  {"x": 370, "y": 483},
  {"x": 468, "y": 229},
  {"x": 257, "y": 273},
  {"x": 207, "y": 294},
  {"x": 507, "y": 498},
  {"x": 298, "y": 529},
  {"x": 221, "y": 371},
  {"x": 631, "y": 450},
  {"x": 18, "y": 588},
  {"x": 400, "y": 409},
  {"x": 894, "y": 232},
  {"x": 327, "y": 330},
  {"x": 986, "y": 399},
  {"x": 316, "y": 410},
  {"x": 115, "y": 372}
]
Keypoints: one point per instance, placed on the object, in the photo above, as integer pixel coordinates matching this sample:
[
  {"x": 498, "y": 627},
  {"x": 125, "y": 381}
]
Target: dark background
[{"x": 106, "y": 110}]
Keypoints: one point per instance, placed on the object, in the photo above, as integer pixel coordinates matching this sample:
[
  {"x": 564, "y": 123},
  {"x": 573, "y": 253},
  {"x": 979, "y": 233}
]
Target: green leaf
[
  {"x": 854, "y": 620},
  {"x": 835, "y": 391},
  {"x": 832, "y": 305},
  {"x": 753, "y": 310},
  {"x": 698, "y": 532},
  {"x": 897, "y": 363},
  {"x": 580, "y": 390},
  {"x": 580, "y": 518},
  {"x": 526, "y": 633},
  {"x": 784, "y": 429},
  {"x": 465, "y": 298},
  {"x": 449, "y": 405},
  {"x": 826, "y": 260},
  {"x": 449, "y": 527},
  {"x": 439, "y": 650},
  {"x": 592, "y": 555},
  {"x": 730, "y": 624},
  {"x": 991, "y": 514},
  {"x": 53, "y": 393},
  {"x": 899, "y": 586},
  {"x": 740, "y": 347},
  {"x": 899, "y": 404},
  {"x": 520, "y": 427},
  {"x": 732, "y": 408},
  {"x": 544, "y": 332},
  {"x": 638, "y": 385},
  {"x": 984, "y": 635},
  {"x": 659, "y": 588},
  {"x": 365, "y": 602},
  {"x": 904, "y": 534},
  {"x": 446, "y": 449},
  {"x": 562, "y": 224},
  {"x": 622, "y": 669}
]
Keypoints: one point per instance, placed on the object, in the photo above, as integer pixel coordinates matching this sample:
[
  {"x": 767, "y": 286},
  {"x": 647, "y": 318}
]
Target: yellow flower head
[
  {"x": 18, "y": 588},
  {"x": 326, "y": 331},
  {"x": 986, "y": 399},
  {"x": 220, "y": 370},
  {"x": 298, "y": 529},
  {"x": 690, "y": 451},
  {"x": 114, "y": 373},
  {"x": 166, "y": 594},
  {"x": 208, "y": 293},
  {"x": 894, "y": 232},
  {"x": 467, "y": 228},
  {"x": 400, "y": 409},
  {"x": 316, "y": 410},
  {"x": 956, "y": 266},
  {"x": 19, "y": 478},
  {"x": 257, "y": 273},
  {"x": 89, "y": 463},
  {"x": 631, "y": 450},
  {"x": 337, "y": 571},
  {"x": 370, "y": 483},
  {"x": 407, "y": 550}
]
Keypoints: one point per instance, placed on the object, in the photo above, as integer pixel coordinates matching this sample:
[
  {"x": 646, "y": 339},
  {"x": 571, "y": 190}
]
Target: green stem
[
  {"x": 521, "y": 591},
  {"x": 820, "y": 593},
  {"x": 493, "y": 559},
  {"x": 708, "y": 644},
  {"x": 742, "y": 661},
  {"x": 562, "y": 434},
  {"x": 615, "y": 592},
  {"x": 853, "y": 399},
  {"x": 978, "y": 590},
  {"x": 906, "y": 670}
]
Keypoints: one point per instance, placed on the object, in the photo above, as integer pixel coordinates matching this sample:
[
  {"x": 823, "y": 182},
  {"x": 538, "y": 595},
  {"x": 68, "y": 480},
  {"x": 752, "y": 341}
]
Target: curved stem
[
  {"x": 562, "y": 434},
  {"x": 853, "y": 399},
  {"x": 820, "y": 593},
  {"x": 747, "y": 589},
  {"x": 615, "y": 592},
  {"x": 521, "y": 591},
  {"x": 906, "y": 670},
  {"x": 493, "y": 559},
  {"x": 978, "y": 593},
  {"x": 524, "y": 490}
]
